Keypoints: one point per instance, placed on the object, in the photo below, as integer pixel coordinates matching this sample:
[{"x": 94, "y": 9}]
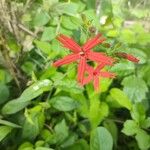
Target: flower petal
[
  {"x": 69, "y": 43},
  {"x": 87, "y": 80},
  {"x": 100, "y": 66},
  {"x": 66, "y": 60},
  {"x": 92, "y": 42},
  {"x": 89, "y": 69},
  {"x": 128, "y": 56},
  {"x": 107, "y": 74},
  {"x": 100, "y": 57},
  {"x": 96, "y": 83},
  {"x": 81, "y": 69}
]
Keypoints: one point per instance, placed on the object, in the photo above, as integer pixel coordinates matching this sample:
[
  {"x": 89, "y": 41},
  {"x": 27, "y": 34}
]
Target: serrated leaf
[
  {"x": 121, "y": 98},
  {"x": 101, "y": 139},
  {"x": 135, "y": 88},
  {"x": 30, "y": 93}
]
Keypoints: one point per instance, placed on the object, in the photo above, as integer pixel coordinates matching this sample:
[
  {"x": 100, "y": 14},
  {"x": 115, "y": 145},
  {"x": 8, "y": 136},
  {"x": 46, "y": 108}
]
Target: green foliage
[
  {"x": 135, "y": 88},
  {"x": 4, "y": 131},
  {"x": 64, "y": 103},
  {"x": 121, "y": 98},
  {"x": 101, "y": 139},
  {"x": 45, "y": 108}
]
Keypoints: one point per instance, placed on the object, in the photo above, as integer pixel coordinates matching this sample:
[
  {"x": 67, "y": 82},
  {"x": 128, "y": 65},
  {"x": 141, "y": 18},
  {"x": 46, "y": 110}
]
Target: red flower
[
  {"x": 128, "y": 56},
  {"x": 82, "y": 54},
  {"x": 94, "y": 74}
]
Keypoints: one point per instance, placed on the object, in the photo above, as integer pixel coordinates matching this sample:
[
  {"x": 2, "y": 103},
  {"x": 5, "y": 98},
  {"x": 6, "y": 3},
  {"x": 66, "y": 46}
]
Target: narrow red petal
[
  {"x": 99, "y": 41},
  {"x": 66, "y": 60},
  {"x": 99, "y": 57},
  {"x": 96, "y": 83},
  {"x": 100, "y": 66},
  {"x": 89, "y": 69},
  {"x": 107, "y": 74},
  {"x": 132, "y": 58},
  {"x": 81, "y": 69},
  {"x": 87, "y": 80},
  {"x": 90, "y": 41},
  {"x": 69, "y": 43},
  {"x": 128, "y": 56}
]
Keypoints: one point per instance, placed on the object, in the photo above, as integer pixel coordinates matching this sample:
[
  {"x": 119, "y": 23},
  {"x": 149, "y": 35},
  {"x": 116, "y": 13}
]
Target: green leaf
[
  {"x": 121, "y": 98},
  {"x": 106, "y": 10},
  {"x": 49, "y": 33},
  {"x": 64, "y": 103},
  {"x": 123, "y": 68},
  {"x": 45, "y": 47},
  {"x": 112, "y": 128},
  {"x": 30, "y": 93},
  {"x": 135, "y": 88},
  {"x": 34, "y": 122},
  {"x": 138, "y": 113},
  {"x": 104, "y": 85},
  {"x": 67, "y": 23},
  {"x": 41, "y": 18},
  {"x": 91, "y": 4},
  {"x": 146, "y": 123},
  {"x": 47, "y": 4},
  {"x": 94, "y": 112},
  {"x": 101, "y": 139},
  {"x": 26, "y": 146},
  {"x": 4, "y": 131},
  {"x": 10, "y": 124},
  {"x": 97, "y": 110},
  {"x": 5, "y": 76},
  {"x": 79, "y": 145},
  {"x": 4, "y": 93},
  {"x": 70, "y": 86},
  {"x": 47, "y": 136},
  {"x": 43, "y": 148},
  {"x": 91, "y": 17},
  {"x": 143, "y": 139},
  {"x": 61, "y": 131},
  {"x": 28, "y": 67},
  {"x": 130, "y": 127},
  {"x": 67, "y": 8},
  {"x": 128, "y": 36},
  {"x": 83, "y": 109}
]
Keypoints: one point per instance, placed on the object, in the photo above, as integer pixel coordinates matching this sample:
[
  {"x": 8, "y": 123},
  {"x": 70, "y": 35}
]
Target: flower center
[
  {"x": 94, "y": 73},
  {"x": 82, "y": 54}
]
